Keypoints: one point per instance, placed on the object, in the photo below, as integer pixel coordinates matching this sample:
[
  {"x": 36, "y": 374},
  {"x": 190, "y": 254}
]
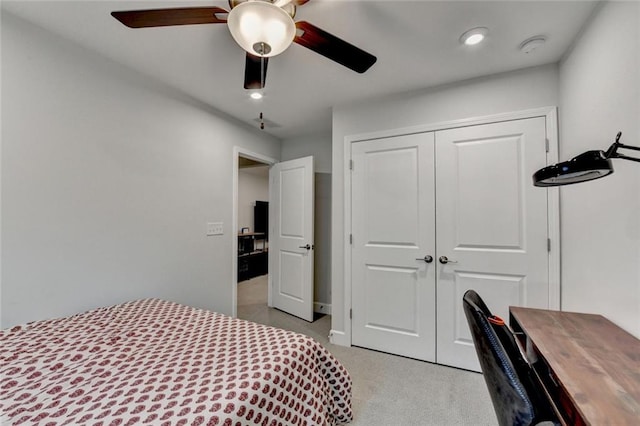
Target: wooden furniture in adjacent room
[
  {"x": 253, "y": 256},
  {"x": 589, "y": 366}
]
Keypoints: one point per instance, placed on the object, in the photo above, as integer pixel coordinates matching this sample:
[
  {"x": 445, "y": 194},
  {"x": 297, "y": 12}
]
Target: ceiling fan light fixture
[{"x": 261, "y": 28}]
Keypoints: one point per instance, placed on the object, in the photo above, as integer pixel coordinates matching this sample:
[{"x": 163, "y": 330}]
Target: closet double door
[{"x": 435, "y": 214}]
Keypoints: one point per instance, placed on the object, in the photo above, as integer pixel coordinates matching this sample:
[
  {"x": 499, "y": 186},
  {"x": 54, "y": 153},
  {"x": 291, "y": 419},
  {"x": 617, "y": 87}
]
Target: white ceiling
[{"x": 416, "y": 43}]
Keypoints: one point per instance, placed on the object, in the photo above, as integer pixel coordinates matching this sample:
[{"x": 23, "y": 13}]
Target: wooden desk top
[
  {"x": 250, "y": 234},
  {"x": 597, "y": 362}
]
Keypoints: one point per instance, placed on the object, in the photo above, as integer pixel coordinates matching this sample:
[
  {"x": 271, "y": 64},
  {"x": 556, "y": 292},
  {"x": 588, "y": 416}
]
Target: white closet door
[
  {"x": 393, "y": 288},
  {"x": 492, "y": 222}
]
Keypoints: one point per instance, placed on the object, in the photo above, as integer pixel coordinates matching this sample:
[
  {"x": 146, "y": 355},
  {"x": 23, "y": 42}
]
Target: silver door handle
[
  {"x": 308, "y": 247},
  {"x": 444, "y": 260},
  {"x": 426, "y": 259}
]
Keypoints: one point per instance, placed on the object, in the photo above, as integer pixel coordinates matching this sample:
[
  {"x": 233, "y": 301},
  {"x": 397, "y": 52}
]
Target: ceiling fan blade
[
  {"x": 169, "y": 17},
  {"x": 332, "y": 47},
  {"x": 255, "y": 71}
]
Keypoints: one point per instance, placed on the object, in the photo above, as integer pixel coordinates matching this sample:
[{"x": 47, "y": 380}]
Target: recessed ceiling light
[
  {"x": 256, "y": 95},
  {"x": 474, "y": 36},
  {"x": 532, "y": 43}
]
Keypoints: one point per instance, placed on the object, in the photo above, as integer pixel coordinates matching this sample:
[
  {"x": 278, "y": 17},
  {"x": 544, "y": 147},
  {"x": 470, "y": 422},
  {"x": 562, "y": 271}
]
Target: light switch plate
[{"x": 215, "y": 228}]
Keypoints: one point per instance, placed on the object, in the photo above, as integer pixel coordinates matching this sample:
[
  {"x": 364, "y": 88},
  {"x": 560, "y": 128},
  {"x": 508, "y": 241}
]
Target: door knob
[
  {"x": 444, "y": 260},
  {"x": 426, "y": 259},
  {"x": 308, "y": 247}
]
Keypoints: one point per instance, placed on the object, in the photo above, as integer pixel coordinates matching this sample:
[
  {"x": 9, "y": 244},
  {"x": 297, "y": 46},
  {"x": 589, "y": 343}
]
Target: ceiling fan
[{"x": 263, "y": 28}]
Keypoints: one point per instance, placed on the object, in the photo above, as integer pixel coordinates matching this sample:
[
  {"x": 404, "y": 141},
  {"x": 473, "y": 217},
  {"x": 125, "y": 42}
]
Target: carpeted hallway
[{"x": 388, "y": 390}]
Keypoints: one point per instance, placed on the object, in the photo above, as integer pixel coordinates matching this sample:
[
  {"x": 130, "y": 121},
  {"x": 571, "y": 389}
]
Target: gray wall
[
  {"x": 253, "y": 185},
  {"x": 600, "y": 95},
  {"x": 318, "y": 145},
  {"x": 322, "y": 228},
  {"x": 515, "y": 91},
  {"x": 108, "y": 181}
]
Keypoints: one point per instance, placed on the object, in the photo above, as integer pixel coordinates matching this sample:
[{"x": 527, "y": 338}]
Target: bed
[{"x": 160, "y": 363}]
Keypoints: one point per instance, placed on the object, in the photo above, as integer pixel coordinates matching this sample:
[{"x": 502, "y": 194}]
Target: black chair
[{"x": 518, "y": 398}]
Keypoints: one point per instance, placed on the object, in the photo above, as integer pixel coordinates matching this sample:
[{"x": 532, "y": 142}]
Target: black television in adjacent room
[{"x": 261, "y": 218}]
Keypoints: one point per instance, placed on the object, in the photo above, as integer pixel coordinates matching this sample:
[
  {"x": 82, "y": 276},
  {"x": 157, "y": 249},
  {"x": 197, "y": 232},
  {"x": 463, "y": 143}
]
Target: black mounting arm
[{"x": 612, "y": 152}]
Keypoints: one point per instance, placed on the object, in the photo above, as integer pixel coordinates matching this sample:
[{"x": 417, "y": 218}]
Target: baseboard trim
[{"x": 322, "y": 308}]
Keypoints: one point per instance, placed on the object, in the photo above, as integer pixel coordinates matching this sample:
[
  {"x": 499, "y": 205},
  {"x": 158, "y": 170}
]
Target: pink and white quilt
[{"x": 160, "y": 363}]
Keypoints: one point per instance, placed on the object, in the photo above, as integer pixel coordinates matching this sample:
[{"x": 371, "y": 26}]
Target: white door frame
[
  {"x": 237, "y": 153},
  {"x": 553, "y": 197}
]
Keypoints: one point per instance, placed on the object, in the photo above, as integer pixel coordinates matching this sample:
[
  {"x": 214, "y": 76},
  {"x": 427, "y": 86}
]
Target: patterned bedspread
[{"x": 159, "y": 363}]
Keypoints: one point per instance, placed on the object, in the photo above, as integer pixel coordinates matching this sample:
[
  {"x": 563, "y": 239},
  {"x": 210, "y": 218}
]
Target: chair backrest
[{"x": 517, "y": 398}]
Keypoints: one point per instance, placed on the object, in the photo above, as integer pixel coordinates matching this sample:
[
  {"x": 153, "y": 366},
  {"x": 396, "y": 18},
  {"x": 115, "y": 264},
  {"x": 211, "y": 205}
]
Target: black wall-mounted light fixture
[{"x": 587, "y": 166}]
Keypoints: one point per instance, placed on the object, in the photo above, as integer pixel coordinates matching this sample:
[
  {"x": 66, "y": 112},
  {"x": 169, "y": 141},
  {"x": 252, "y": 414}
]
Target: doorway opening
[
  {"x": 251, "y": 293},
  {"x": 288, "y": 247}
]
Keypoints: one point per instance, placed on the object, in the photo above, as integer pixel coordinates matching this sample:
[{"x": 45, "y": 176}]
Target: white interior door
[
  {"x": 291, "y": 238},
  {"x": 492, "y": 222},
  {"x": 393, "y": 288}
]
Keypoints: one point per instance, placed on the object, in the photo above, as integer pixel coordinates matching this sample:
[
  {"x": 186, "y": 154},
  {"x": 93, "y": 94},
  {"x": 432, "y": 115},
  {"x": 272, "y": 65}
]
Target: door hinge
[
  {"x": 351, "y": 165},
  {"x": 546, "y": 144},
  {"x": 549, "y": 244},
  {"x": 351, "y": 239},
  {"x": 350, "y": 313}
]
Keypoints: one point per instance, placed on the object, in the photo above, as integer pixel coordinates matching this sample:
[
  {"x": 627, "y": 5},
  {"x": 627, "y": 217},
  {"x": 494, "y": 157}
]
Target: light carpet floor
[{"x": 388, "y": 390}]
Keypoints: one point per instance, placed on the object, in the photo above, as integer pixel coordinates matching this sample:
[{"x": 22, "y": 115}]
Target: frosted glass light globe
[{"x": 261, "y": 28}]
